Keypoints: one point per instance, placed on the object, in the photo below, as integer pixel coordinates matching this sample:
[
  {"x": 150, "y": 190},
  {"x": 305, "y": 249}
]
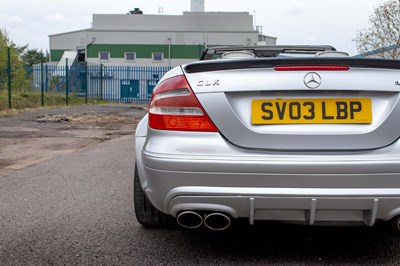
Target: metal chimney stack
[{"x": 197, "y": 6}]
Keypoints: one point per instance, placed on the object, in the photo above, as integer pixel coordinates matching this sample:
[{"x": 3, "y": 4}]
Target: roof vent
[
  {"x": 136, "y": 11},
  {"x": 332, "y": 54},
  {"x": 237, "y": 55}
]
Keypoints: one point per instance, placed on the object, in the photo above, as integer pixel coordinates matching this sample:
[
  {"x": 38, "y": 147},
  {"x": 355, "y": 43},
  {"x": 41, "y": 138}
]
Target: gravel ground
[{"x": 31, "y": 137}]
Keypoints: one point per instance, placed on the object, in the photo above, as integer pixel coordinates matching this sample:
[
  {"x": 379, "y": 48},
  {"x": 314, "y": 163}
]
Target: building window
[
  {"x": 130, "y": 56},
  {"x": 104, "y": 56},
  {"x": 158, "y": 57}
]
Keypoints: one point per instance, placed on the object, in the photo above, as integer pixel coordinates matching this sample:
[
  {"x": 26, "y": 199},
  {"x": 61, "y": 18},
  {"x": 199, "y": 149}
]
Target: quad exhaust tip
[
  {"x": 214, "y": 221},
  {"x": 189, "y": 219},
  {"x": 217, "y": 221}
]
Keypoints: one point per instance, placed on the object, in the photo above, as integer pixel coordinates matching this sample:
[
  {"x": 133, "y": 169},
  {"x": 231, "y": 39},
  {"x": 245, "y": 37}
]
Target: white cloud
[
  {"x": 311, "y": 38},
  {"x": 292, "y": 21},
  {"x": 294, "y": 8},
  {"x": 11, "y": 19},
  {"x": 56, "y": 18}
]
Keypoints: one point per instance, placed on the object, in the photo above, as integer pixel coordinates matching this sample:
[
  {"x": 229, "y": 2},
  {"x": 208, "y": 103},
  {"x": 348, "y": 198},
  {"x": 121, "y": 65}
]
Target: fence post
[
  {"x": 46, "y": 71},
  {"x": 66, "y": 81},
  {"x": 101, "y": 81},
  {"x": 41, "y": 80},
  {"x": 86, "y": 85},
  {"x": 9, "y": 76}
]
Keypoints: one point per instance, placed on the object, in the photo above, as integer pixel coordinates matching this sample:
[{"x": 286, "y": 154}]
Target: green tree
[
  {"x": 32, "y": 56},
  {"x": 383, "y": 34},
  {"x": 18, "y": 74}
]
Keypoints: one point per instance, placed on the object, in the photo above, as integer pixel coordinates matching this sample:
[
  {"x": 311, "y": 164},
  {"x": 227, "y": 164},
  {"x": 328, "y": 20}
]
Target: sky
[{"x": 291, "y": 21}]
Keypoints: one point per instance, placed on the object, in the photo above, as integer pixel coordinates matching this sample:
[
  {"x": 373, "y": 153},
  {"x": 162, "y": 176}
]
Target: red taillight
[
  {"x": 312, "y": 68},
  {"x": 174, "y": 106}
]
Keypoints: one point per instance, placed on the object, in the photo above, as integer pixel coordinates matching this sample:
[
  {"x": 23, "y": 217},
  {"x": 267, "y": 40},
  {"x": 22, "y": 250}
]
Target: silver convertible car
[{"x": 299, "y": 134}]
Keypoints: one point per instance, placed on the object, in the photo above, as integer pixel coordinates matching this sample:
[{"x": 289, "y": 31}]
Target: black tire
[{"x": 146, "y": 214}]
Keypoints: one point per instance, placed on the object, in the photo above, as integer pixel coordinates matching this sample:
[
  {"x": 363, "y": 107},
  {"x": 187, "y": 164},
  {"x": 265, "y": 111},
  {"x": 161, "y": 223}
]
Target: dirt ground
[{"x": 38, "y": 135}]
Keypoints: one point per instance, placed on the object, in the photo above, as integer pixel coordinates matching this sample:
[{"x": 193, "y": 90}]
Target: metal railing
[{"x": 111, "y": 83}]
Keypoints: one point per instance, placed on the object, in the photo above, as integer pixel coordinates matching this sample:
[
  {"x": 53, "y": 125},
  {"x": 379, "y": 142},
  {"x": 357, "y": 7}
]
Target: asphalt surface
[
  {"x": 32, "y": 137},
  {"x": 77, "y": 209}
]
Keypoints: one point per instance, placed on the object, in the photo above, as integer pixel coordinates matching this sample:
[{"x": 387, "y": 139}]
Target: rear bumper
[
  {"x": 301, "y": 205},
  {"x": 201, "y": 171}
]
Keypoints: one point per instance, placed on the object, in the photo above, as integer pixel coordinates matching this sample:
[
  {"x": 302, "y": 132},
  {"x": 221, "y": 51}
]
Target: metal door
[{"x": 129, "y": 88}]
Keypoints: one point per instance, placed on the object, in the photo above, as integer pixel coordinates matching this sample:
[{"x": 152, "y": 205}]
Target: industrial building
[{"x": 138, "y": 39}]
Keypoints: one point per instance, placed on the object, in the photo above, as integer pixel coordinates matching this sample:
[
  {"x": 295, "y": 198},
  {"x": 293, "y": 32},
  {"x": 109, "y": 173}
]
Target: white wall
[
  {"x": 68, "y": 41},
  {"x": 75, "y": 39},
  {"x": 189, "y": 21},
  {"x": 141, "y": 62}
]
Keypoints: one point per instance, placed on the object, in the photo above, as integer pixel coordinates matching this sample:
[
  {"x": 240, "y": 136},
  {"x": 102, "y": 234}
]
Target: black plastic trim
[{"x": 227, "y": 64}]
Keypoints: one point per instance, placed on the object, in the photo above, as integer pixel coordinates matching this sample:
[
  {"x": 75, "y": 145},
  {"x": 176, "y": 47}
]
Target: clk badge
[
  {"x": 208, "y": 83},
  {"x": 312, "y": 80}
]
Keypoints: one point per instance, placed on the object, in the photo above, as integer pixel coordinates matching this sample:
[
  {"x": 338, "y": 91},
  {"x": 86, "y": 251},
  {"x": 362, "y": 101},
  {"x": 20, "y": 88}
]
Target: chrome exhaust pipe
[
  {"x": 189, "y": 219},
  {"x": 217, "y": 221}
]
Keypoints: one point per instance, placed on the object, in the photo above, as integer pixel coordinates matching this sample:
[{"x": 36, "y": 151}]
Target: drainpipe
[
  {"x": 169, "y": 51},
  {"x": 206, "y": 39}
]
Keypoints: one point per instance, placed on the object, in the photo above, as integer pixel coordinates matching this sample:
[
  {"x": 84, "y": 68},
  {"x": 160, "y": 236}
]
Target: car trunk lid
[{"x": 233, "y": 93}]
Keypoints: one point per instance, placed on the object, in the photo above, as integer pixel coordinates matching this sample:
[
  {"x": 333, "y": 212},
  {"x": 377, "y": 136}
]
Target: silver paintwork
[
  {"x": 231, "y": 114},
  {"x": 202, "y": 171},
  {"x": 229, "y": 106},
  {"x": 269, "y": 80},
  {"x": 306, "y": 173}
]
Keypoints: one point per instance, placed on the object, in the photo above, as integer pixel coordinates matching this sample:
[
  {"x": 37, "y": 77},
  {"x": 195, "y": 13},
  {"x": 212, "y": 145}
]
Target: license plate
[{"x": 312, "y": 111}]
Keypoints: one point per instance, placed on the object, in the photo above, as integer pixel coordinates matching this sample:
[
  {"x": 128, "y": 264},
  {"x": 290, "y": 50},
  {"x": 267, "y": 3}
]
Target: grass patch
[{"x": 32, "y": 100}]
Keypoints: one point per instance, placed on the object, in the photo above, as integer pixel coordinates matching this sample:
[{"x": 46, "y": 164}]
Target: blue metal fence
[{"x": 109, "y": 83}]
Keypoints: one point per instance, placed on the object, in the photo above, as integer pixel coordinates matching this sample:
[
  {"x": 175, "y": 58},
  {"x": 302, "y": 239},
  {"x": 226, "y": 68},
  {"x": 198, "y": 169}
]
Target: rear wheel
[{"x": 146, "y": 213}]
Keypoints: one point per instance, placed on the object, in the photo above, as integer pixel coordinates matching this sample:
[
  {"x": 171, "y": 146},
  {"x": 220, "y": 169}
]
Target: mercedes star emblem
[{"x": 312, "y": 80}]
